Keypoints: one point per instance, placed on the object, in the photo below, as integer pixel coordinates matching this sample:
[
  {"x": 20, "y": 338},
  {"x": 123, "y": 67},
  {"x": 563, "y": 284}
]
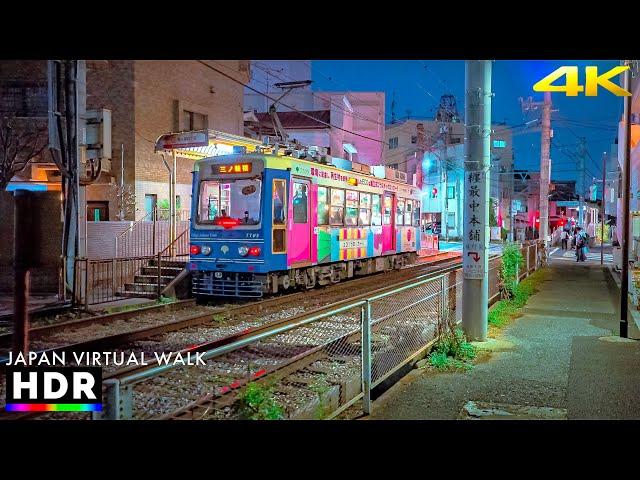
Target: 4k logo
[{"x": 592, "y": 81}]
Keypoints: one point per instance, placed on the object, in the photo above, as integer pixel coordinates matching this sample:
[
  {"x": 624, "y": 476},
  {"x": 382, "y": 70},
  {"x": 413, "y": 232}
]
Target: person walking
[
  {"x": 577, "y": 240},
  {"x": 564, "y": 237}
]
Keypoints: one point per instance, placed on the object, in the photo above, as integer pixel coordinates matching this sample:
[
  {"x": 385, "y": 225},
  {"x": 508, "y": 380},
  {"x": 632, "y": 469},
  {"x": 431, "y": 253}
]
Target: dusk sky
[{"x": 418, "y": 85}]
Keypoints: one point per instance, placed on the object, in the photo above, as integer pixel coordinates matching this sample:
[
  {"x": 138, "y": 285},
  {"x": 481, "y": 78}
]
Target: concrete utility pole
[
  {"x": 602, "y": 209},
  {"x": 626, "y": 190},
  {"x": 80, "y": 147},
  {"x": 475, "y": 266},
  {"x": 545, "y": 168},
  {"x": 582, "y": 152}
]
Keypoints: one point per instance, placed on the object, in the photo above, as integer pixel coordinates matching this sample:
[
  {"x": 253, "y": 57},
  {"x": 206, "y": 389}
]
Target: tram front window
[{"x": 238, "y": 199}]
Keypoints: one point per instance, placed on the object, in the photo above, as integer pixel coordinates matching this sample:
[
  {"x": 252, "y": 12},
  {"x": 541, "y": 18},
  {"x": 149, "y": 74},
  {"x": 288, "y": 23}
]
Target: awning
[{"x": 204, "y": 143}]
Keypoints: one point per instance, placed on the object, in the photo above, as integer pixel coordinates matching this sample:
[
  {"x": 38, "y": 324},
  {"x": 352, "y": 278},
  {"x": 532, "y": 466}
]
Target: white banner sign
[
  {"x": 476, "y": 225},
  {"x": 183, "y": 140}
]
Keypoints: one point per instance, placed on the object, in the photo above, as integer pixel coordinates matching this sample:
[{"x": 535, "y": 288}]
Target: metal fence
[
  {"x": 150, "y": 234},
  {"x": 350, "y": 349},
  {"x": 104, "y": 280}
]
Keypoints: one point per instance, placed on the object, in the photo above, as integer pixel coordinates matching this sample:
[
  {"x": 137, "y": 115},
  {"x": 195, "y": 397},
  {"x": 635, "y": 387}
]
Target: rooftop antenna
[{"x": 288, "y": 87}]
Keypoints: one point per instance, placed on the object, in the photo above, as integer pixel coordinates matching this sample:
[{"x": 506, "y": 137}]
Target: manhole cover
[{"x": 503, "y": 411}]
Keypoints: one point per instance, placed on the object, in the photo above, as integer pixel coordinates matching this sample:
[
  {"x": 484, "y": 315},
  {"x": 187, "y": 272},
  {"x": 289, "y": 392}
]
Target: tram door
[
  {"x": 388, "y": 222},
  {"x": 300, "y": 230}
]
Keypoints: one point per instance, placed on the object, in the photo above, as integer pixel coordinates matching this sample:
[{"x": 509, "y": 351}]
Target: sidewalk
[{"x": 563, "y": 353}]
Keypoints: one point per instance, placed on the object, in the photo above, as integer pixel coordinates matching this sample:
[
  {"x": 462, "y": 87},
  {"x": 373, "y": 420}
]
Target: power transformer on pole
[{"x": 475, "y": 264}]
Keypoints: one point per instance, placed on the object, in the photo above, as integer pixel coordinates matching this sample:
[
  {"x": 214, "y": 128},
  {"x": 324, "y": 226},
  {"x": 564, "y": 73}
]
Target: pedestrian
[
  {"x": 564, "y": 236},
  {"x": 577, "y": 240}
]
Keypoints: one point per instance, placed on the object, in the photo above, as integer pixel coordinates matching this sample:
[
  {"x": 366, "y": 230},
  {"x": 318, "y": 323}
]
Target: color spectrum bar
[{"x": 53, "y": 407}]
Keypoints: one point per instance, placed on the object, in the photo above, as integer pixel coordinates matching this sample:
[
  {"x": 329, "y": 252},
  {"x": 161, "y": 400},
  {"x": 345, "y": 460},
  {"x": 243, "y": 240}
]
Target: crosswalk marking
[{"x": 571, "y": 255}]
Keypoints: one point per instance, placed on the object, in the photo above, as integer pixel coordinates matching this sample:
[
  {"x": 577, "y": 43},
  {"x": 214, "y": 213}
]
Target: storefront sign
[{"x": 474, "y": 254}]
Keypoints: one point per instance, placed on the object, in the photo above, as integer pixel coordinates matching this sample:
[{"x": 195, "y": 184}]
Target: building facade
[
  {"x": 146, "y": 98},
  {"x": 350, "y": 126}
]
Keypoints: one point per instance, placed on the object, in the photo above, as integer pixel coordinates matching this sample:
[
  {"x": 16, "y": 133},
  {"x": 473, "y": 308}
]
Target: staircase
[{"x": 145, "y": 283}]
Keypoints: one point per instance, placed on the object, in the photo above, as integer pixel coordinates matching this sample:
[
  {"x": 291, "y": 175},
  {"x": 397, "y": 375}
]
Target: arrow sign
[{"x": 474, "y": 255}]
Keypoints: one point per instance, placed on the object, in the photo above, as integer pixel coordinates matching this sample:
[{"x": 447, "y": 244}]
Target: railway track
[
  {"x": 299, "y": 354},
  {"x": 238, "y": 326}
]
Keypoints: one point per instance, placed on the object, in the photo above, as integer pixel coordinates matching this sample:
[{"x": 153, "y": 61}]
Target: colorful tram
[{"x": 264, "y": 223}]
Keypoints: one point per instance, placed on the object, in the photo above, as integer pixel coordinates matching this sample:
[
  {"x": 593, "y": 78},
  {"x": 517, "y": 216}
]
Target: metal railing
[
  {"x": 176, "y": 251},
  {"x": 355, "y": 347},
  {"x": 150, "y": 234}
]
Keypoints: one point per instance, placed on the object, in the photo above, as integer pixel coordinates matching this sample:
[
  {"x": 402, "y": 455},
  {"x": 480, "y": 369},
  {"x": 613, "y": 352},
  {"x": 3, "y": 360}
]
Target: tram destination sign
[{"x": 474, "y": 253}]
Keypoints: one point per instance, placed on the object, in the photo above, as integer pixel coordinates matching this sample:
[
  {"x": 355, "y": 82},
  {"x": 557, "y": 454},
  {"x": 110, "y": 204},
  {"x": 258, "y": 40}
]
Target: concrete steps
[{"x": 145, "y": 284}]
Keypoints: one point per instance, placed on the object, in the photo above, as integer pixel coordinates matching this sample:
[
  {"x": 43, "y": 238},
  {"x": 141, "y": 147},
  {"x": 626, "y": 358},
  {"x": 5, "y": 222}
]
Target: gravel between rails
[{"x": 153, "y": 399}]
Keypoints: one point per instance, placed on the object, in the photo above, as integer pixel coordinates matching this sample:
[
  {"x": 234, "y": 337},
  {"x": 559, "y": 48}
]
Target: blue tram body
[{"x": 265, "y": 223}]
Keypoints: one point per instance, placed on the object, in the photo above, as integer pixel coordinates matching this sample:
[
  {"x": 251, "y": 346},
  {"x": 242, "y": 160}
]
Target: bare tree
[
  {"x": 125, "y": 200},
  {"x": 21, "y": 140}
]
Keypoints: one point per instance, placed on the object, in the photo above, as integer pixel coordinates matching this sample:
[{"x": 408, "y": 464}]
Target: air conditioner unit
[{"x": 393, "y": 174}]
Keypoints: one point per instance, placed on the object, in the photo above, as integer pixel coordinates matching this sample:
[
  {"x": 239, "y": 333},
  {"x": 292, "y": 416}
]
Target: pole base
[{"x": 624, "y": 329}]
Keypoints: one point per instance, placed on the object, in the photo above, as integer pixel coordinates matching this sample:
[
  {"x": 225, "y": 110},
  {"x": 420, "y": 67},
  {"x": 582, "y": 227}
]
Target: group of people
[{"x": 579, "y": 240}]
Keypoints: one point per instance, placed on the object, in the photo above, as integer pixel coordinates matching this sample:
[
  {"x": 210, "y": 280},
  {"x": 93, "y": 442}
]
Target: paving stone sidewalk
[{"x": 562, "y": 354}]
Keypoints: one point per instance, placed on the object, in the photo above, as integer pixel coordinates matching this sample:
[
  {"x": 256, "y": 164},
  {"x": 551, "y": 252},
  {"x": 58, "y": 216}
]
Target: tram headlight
[
  {"x": 206, "y": 250},
  {"x": 243, "y": 251}
]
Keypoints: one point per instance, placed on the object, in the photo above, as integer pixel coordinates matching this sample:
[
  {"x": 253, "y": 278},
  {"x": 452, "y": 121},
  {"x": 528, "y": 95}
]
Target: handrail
[{"x": 171, "y": 249}]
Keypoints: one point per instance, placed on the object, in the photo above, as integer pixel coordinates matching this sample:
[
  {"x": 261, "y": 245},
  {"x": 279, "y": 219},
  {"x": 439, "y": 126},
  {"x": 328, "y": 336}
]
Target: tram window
[
  {"x": 408, "y": 212},
  {"x": 416, "y": 215},
  {"x": 300, "y": 201},
  {"x": 376, "y": 213},
  {"x": 336, "y": 212},
  {"x": 388, "y": 205},
  {"x": 351, "y": 217},
  {"x": 323, "y": 206},
  {"x": 279, "y": 202},
  {"x": 400, "y": 212},
  {"x": 239, "y": 199},
  {"x": 365, "y": 209}
]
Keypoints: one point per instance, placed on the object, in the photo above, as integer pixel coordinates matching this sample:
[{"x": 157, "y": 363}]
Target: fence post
[
  {"x": 86, "y": 284},
  {"x": 528, "y": 267},
  {"x": 153, "y": 241},
  {"x": 159, "y": 270},
  {"x": 365, "y": 315},
  {"x": 535, "y": 267},
  {"x": 443, "y": 299}
]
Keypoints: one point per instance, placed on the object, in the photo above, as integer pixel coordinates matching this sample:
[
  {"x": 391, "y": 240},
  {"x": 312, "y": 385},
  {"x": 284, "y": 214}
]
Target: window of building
[
  {"x": 150, "y": 202},
  {"x": 351, "y": 215},
  {"x": 393, "y": 143},
  {"x": 499, "y": 144},
  {"x": 376, "y": 211},
  {"x": 365, "y": 209},
  {"x": 451, "y": 192},
  {"x": 97, "y": 211},
  {"x": 414, "y": 139},
  {"x": 300, "y": 202},
  {"x": 400, "y": 212},
  {"x": 451, "y": 219},
  {"x": 336, "y": 210},
  {"x": 323, "y": 206},
  {"x": 193, "y": 120}
]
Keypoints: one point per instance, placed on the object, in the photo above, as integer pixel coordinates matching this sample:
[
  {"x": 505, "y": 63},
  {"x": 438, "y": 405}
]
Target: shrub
[
  {"x": 512, "y": 260},
  {"x": 257, "y": 403},
  {"x": 452, "y": 350}
]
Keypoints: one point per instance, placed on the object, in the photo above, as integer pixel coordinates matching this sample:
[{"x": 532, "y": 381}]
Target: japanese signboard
[
  {"x": 474, "y": 261},
  {"x": 183, "y": 140}
]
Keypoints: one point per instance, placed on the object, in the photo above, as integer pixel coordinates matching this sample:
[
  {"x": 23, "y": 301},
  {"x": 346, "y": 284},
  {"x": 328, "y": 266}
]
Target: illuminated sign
[
  {"x": 572, "y": 86},
  {"x": 353, "y": 182},
  {"x": 234, "y": 168}
]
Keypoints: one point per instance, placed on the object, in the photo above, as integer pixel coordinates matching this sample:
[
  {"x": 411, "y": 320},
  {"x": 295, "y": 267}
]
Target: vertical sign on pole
[{"x": 473, "y": 263}]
